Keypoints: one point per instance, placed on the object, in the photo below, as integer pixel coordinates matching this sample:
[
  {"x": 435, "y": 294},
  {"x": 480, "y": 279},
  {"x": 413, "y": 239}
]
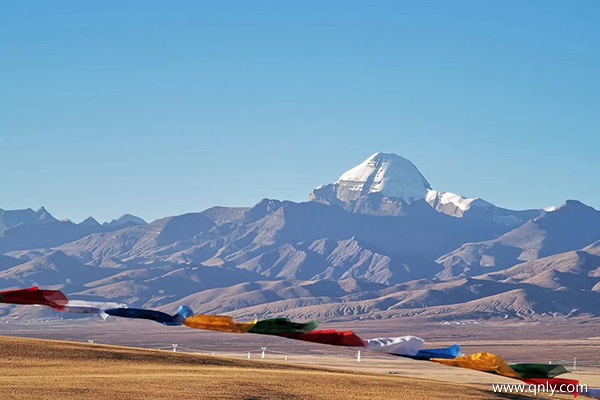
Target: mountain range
[{"x": 378, "y": 243}]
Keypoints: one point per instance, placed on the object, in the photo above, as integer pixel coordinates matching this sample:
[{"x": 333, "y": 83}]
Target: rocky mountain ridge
[{"x": 378, "y": 243}]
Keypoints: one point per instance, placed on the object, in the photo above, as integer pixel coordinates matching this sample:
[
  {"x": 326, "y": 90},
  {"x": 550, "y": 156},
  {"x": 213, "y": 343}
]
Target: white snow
[
  {"x": 463, "y": 203},
  {"x": 395, "y": 178},
  {"x": 385, "y": 173}
]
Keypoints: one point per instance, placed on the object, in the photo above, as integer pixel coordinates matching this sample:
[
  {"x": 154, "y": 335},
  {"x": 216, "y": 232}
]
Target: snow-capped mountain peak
[
  {"x": 385, "y": 173},
  {"x": 388, "y": 184}
]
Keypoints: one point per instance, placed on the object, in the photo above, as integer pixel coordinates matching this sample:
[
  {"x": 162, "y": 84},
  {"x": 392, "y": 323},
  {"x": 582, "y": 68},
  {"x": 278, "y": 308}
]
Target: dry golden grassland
[{"x": 43, "y": 369}]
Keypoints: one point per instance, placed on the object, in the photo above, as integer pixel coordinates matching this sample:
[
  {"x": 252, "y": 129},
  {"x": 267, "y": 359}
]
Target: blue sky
[{"x": 161, "y": 108}]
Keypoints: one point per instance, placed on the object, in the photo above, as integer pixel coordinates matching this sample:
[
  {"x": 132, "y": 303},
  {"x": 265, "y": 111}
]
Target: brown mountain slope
[{"x": 570, "y": 227}]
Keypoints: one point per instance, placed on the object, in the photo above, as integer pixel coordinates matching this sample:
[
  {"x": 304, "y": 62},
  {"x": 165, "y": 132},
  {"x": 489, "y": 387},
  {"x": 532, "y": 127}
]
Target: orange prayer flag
[
  {"x": 219, "y": 323},
  {"x": 485, "y": 362}
]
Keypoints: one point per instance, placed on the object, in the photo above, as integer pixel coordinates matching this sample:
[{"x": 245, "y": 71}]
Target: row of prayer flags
[{"x": 403, "y": 346}]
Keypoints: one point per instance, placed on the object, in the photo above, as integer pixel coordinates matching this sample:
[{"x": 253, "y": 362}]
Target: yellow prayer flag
[
  {"x": 219, "y": 323},
  {"x": 485, "y": 362}
]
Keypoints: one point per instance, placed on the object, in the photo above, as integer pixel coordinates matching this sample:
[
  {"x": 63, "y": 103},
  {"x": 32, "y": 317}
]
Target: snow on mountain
[
  {"x": 394, "y": 177},
  {"x": 378, "y": 242},
  {"x": 568, "y": 228},
  {"x": 383, "y": 184},
  {"x": 436, "y": 199},
  {"x": 387, "y": 184},
  {"x": 385, "y": 173}
]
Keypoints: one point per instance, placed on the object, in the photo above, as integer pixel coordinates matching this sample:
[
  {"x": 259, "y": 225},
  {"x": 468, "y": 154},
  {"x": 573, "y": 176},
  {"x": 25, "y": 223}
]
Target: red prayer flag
[
  {"x": 331, "y": 337},
  {"x": 52, "y": 298},
  {"x": 559, "y": 385}
]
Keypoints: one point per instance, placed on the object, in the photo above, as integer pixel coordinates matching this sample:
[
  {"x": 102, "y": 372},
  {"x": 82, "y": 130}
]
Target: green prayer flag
[
  {"x": 279, "y": 326},
  {"x": 527, "y": 371}
]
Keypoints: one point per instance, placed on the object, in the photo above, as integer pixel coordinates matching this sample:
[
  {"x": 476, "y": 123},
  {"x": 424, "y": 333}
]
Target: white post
[
  {"x": 174, "y": 347},
  {"x": 248, "y": 355},
  {"x": 213, "y": 353},
  {"x": 286, "y": 358},
  {"x": 358, "y": 357},
  {"x": 263, "y": 352},
  {"x": 575, "y": 364}
]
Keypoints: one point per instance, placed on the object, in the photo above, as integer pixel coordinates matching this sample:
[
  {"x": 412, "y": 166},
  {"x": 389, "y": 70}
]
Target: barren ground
[
  {"x": 290, "y": 370},
  {"x": 43, "y": 369}
]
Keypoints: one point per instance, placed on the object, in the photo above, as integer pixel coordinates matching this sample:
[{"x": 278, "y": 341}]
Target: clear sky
[{"x": 159, "y": 108}]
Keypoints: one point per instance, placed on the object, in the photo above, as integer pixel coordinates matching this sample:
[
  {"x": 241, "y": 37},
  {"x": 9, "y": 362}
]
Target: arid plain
[
  {"x": 64, "y": 370},
  {"x": 219, "y": 366}
]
